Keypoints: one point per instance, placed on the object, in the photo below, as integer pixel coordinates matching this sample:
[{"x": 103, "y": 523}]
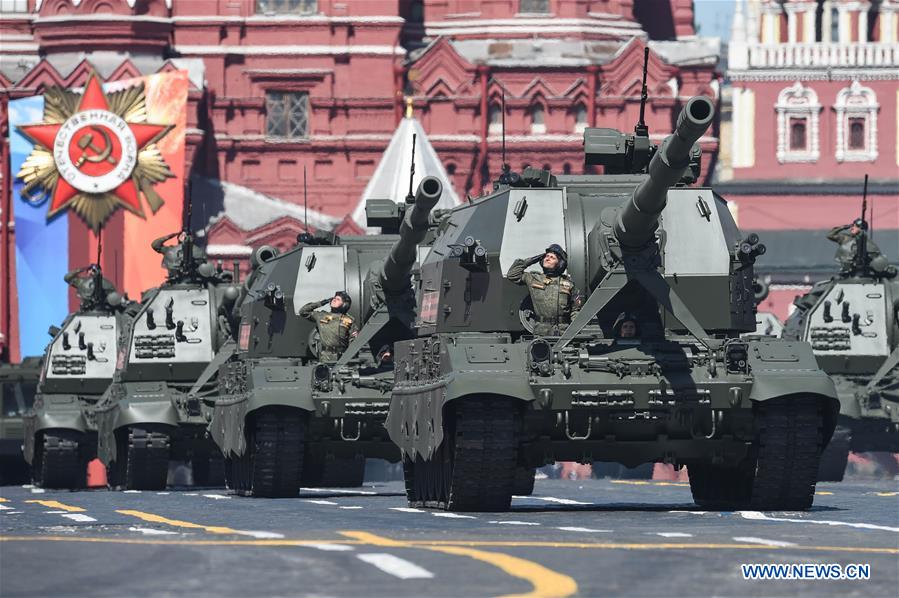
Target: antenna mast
[
  {"x": 410, "y": 198},
  {"x": 503, "y": 116},
  {"x": 305, "y": 202},
  {"x": 641, "y": 128}
]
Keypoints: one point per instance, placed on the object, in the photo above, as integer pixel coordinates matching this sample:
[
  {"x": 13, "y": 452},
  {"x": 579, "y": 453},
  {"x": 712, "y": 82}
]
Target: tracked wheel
[
  {"x": 835, "y": 456},
  {"x": 474, "y": 467},
  {"x": 146, "y": 460},
  {"x": 524, "y": 480},
  {"x": 272, "y": 465},
  {"x": 60, "y": 462},
  {"x": 781, "y": 470}
]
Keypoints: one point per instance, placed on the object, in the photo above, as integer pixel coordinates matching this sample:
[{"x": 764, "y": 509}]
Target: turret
[
  {"x": 394, "y": 276},
  {"x": 639, "y": 217}
]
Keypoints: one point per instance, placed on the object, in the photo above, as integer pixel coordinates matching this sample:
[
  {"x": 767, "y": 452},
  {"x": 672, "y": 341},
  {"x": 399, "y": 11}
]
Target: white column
[
  {"x": 844, "y": 24},
  {"x": 808, "y": 24},
  {"x": 826, "y": 22},
  {"x": 791, "y": 25},
  {"x": 863, "y": 25}
]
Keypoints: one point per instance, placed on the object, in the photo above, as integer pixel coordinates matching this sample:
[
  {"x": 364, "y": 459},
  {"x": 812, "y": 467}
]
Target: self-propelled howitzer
[
  {"x": 480, "y": 399},
  {"x": 286, "y": 415}
]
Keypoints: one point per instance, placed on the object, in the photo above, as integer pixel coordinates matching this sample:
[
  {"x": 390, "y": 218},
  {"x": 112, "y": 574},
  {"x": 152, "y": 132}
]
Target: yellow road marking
[
  {"x": 648, "y": 483},
  {"x": 886, "y": 493},
  {"x": 150, "y": 517},
  {"x": 446, "y": 543},
  {"x": 54, "y": 504},
  {"x": 823, "y": 493},
  {"x": 545, "y": 582},
  {"x": 3, "y": 499}
]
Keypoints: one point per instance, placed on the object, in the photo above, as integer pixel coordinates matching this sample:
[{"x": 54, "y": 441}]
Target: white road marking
[
  {"x": 5, "y": 508},
  {"x": 395, "y": 566},
  {"x": 691, "y": 512},
  {"x": 672, "y": 534},
  {"x": 585, "y": 529},
  {"x": 189, "y": 493},
  {"x": 37, "y": 491},
  {"x": 338, "y": 491},
  {"x": 131, "y": 491},
  {"x": 561, "y": 501},
  {"x": 453, "y": 516},
  {"x": 406, "y": 510},
  {"x": 163, "y": 493},
  {"x": 147, "y": 531},
  {"x": 27, "y": 486},
  {"x": 331, "y": 547},
  {"x": 79, "y": 517},
  {"x": 13, "y": 512},
  {"x": 757, "y": 516},
  {"x": 514, "y": 522},
  {"x": 753, "y": 540},
  {"x": 352, "y": 507},
  {"x": 260, "y": 535},
  {"x": 55, "y": 512},
  {"x": 217, "y": 496},
  {"x": 320, "y": 502}
]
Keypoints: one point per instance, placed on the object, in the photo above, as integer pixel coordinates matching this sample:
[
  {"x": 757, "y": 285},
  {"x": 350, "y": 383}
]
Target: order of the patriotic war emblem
[{"x": 95, "y": 153}]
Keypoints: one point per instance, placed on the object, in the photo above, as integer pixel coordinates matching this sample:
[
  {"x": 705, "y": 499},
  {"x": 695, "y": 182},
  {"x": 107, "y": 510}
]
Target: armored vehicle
[
  {"x": 61, "y": 429},
  {"x": 18, "y": 385},
  {"x": 290, "y": 412},
  {"x": 146, "y": 417},
  {"x": 480, "y": 395},
  {"x": 852, "y": 323}
]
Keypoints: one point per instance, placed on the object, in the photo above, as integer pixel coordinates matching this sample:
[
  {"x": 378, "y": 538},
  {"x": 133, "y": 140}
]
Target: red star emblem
[{"x": 95, "y": 154}]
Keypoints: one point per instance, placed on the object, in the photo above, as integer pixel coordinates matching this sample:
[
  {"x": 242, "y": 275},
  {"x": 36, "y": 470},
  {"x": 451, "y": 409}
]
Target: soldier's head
[
  {"x": 857, "y": 226},
  {"x": 341, "y": 302},
  {"x": 625, "y": 326},
  {"x": 555, "y": 260},
  {"x": 385, "y": 356}
]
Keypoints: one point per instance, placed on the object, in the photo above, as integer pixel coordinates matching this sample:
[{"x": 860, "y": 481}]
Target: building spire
[{"x": 408, "y": 100}]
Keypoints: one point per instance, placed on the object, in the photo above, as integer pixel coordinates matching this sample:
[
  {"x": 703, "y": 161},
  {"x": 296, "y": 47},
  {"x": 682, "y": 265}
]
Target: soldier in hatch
[
  {"x": 335, "y": 328},
  {"x": 625, "y": 326},
  {"x": 848, "y": 237},
  {"x": 556, "y": 300}
]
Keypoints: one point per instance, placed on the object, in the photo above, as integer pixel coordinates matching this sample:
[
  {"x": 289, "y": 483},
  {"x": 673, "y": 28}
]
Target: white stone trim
[
  {"x": 743, "y": 128},
  {"x": 288, "y": 50},
  {"x": 798, "y": 101},
  {"x": 814, "y": 75},
  {"x": 856, "y": 101}
]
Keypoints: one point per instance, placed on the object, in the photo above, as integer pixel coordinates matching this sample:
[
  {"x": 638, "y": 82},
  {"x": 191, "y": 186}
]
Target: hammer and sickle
[{"x": 101, "y": 154}]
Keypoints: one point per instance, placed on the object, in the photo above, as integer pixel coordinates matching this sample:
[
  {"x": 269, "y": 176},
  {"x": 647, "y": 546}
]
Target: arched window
[
  {"x": 856, "y": 108},
  {"x": 834, "y": 25},
  {"x": 566, "y": 168},
  {"x": 798, "y": 111},
  {"x": 533, "y": 6},
  {"x": 495, "y": 119},
  {"x": 538, "y": 122},
  {"x": 580, "y": 118}
]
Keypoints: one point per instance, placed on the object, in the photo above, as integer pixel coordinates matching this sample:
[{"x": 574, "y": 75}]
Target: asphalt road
[{"x": 588, "y": 538}]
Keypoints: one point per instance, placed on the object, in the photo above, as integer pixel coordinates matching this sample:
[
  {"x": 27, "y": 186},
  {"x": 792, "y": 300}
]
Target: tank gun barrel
[
  {"x": 639, "y": 217},
  {"x": 395, "y": 273}
]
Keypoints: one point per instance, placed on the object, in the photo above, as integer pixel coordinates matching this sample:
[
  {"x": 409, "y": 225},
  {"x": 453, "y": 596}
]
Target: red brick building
[
  {"x": 814, "y": 106},
  {"x": 279, "y": 85}
]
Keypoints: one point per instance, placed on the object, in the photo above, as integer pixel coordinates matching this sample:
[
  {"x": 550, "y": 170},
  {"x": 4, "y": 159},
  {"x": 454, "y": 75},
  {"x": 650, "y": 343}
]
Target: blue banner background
[{"x": 42, "y": 248}]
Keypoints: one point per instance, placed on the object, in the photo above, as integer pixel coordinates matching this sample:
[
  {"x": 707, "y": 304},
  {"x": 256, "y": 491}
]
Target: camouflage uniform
[
  {"x": 556, "y": 300},
  {"x": 848, "y": 242},
  {"x": 335, "y": 329}
]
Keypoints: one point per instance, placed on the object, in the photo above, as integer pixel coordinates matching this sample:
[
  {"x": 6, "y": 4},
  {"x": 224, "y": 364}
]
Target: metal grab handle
[
  {"x": 574, "y": 436},
  {"x": 347, "y": 438}
]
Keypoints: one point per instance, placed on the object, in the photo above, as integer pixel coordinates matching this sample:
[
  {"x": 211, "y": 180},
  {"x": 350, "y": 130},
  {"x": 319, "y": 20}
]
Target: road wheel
[
  {"x": 717, "y": 486},
  {"x": 59, "y": 462},
  {"x": 835, "y": 456},
  {"x": 475, "y": 465},
  {"x": 524, "y": 480},
  {"x": 275, "y": 453},
  {"x": 146, "y": 460}
]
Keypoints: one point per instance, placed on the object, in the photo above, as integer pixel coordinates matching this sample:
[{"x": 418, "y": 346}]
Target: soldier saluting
[
  {"x": 335, "y": 328},
  {"x": 556, "y": 300},
  {"x": 850, "y": 237}
]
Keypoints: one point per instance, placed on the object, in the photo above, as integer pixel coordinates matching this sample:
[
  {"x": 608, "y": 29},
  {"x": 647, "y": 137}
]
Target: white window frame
[
  {"x": 798, "y": 101},
  {"x": 856, "y": 101}
]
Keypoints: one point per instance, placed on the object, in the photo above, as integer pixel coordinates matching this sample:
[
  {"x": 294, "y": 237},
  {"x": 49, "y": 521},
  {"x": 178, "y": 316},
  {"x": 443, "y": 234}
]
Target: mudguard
[
  {"x": 140, "y": 403},
  {"x": 60, "y": 412}
]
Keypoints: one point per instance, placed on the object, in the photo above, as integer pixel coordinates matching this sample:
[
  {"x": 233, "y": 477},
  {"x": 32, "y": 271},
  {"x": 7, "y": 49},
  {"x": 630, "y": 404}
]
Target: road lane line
[
  {"x": 759, "y": 516},
  {"x": 763, "y": 541},
  {"x": 406, "y": 510},
  {"x": 585, "y": 529},
  {"x": 212, "y": 529},
  {"x": 131, "y": 491},
  {"x": 545, "y": 582},
  {"x": 823, "y": 493},
  {"x": 435, "y": 544},
  {"x": 80, "y": 518},
  {"x": 514, "y": 522},
  {"x": 339, "y": 491},
  {"x": 217, "y": 496},
  {"x": 453, "y": 516},
  {"x": 149, "y": 531},
  {"x": 319, "y": 502},
  {"x": 55, "y": 504},
  {"x": 37, "y": 490},
  {"x": 886, "y": 493},
  {"x": 351, "y": 507},
  {"x": 561, "y": 501},
  {"x": 331, "y": 547},
  {"x": 6, "y": 508},
  {"x": 394, "y": 565},
  {"x": 672, "y": 534},
  {"x": 3, "y": 499},
  {"x": 648, "y": 483}
]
